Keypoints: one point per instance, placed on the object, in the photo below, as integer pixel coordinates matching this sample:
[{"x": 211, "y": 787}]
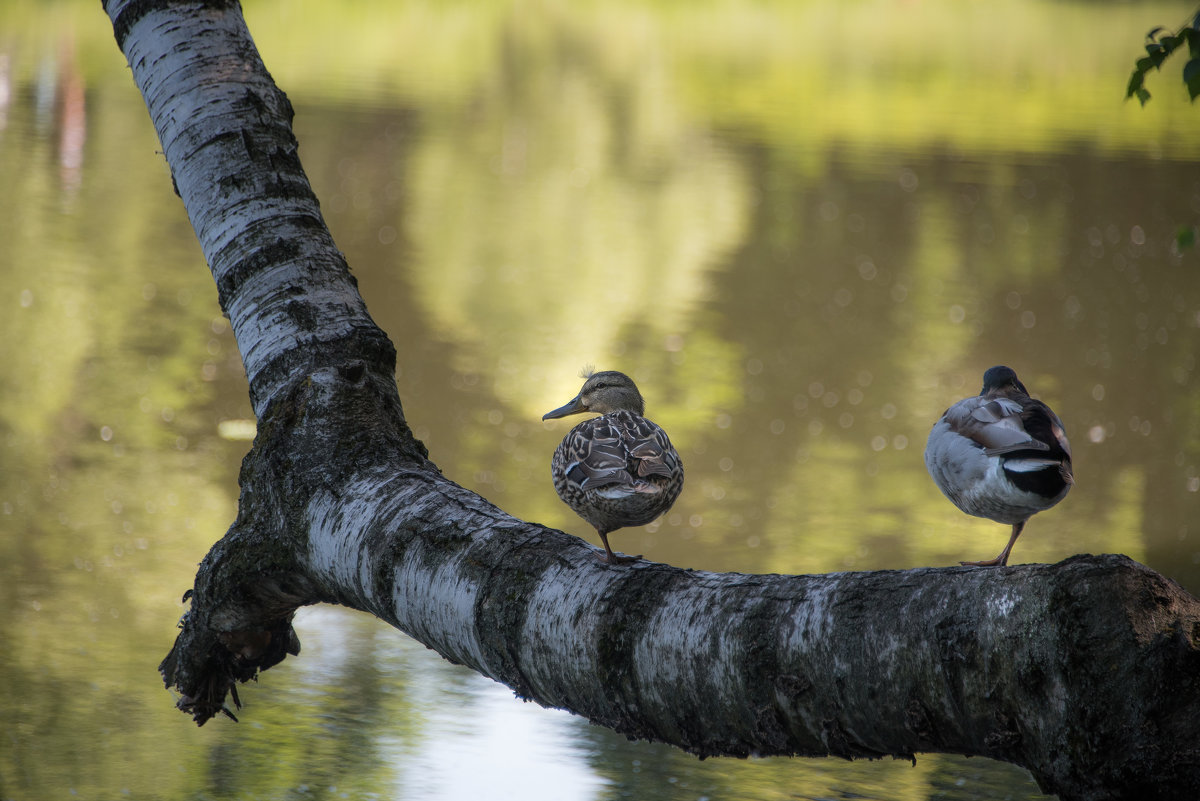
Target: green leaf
[
  {"x": 1157, "y": 54},
  {"x": 1185, "y": 237},
  {"x": 1143, "y": 96},
  {"x": 1154, "y": 32},
  {"x": 1169, "y": 43},
  {"x": 1135, "y": 84},
  {"x": 1191, "y": 76}
]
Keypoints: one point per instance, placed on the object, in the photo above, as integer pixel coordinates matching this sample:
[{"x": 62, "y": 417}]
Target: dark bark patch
[
  {"x": 353, "y": 372},
  {"x": 304, "y": 315},
  {"x": 371, "y": 347},
  {"x": 133, "y": 13},
  {"x": 254, "y": 259},
  {"x": 792, "y": 687},
  {"x": 623, "y": 618},
  {"x": 840, "y": 744},
  {"x": 1004, "y": 739},
  {"x": 917, "y": 721},
  {"x": 502, "y": 603},
  {"x": 386, "y": 547},
  {"x": 759, "y": 644}
]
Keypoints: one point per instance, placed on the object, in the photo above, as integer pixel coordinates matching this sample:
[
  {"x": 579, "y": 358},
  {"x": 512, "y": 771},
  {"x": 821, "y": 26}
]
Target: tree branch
[{"x": 1087, "y": 672}]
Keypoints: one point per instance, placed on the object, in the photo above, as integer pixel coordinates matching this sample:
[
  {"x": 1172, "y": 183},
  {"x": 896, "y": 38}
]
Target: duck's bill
[{"x": 573, "y": 406}]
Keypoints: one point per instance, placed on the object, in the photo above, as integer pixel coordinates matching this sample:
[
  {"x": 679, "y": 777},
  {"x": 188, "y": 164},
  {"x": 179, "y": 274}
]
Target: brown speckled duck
[
  {"x": 1000, "y": 455},
  {"x": 618, "y": 469}
]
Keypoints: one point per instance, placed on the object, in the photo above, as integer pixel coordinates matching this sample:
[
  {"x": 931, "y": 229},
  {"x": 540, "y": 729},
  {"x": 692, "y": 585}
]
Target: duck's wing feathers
[
  {"x": 652, "y": 452},
  {"x": 1005, "y": 426},
  {"x": 1045, "y": 427},
  {"x": 997, "y": 425},
  {"x": 619, "y": 449},
  {"x": 595, "y": 464}
]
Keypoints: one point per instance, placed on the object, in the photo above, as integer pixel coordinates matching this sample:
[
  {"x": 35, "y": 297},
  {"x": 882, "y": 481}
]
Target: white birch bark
[{"x": 1087, "y": 673}]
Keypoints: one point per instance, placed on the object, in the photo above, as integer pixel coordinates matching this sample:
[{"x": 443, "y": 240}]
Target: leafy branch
[{"x": 1158, "y": 49}]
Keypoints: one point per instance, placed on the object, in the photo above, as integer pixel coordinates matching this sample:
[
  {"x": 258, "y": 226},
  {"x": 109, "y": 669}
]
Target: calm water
[{"x": 805, "y": 229}]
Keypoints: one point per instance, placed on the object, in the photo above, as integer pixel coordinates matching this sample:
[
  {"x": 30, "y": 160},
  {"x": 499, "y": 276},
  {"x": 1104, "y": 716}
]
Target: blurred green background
[{"x": 805, "y": 228}]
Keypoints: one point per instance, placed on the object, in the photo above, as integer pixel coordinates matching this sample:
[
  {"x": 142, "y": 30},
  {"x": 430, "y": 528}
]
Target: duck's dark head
[
  {"x": 603, "y": 392},
  {"x": 1000, "y": 378}
]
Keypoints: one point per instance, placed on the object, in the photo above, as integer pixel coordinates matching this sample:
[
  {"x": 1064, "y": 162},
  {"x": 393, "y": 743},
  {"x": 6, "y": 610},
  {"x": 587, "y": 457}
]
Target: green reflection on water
[{"x": 803, "y": 229}]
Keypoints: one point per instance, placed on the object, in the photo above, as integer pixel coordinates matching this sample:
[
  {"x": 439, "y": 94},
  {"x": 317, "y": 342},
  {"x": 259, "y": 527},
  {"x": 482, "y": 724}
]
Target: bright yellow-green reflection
[
  {"x": 600, "y": 226},
  {"x": 1033, "y": 76},
  {"x": 804, "y": 228}
]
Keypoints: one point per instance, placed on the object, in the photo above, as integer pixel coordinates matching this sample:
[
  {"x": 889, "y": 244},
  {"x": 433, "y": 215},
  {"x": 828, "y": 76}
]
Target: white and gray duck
[
  {"x": 618, "y": 469},
  {"x": 1000, "y": 455}
]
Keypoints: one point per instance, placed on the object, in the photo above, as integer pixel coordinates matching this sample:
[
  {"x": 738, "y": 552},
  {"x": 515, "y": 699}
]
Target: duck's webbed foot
[
  {"x": 997, "y": 562},
  {"x": 612, "y": 558}
]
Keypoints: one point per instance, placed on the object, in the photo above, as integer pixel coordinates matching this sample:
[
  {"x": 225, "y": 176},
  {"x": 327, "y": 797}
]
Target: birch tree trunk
[{"x": 1087, "y": 673}]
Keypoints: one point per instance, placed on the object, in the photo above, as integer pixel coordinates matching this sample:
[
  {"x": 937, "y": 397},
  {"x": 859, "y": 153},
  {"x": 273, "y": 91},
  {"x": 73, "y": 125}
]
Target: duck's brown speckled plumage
[
  {"x": 618, "y": 469},
  {"x": 1000, "y": 455}
]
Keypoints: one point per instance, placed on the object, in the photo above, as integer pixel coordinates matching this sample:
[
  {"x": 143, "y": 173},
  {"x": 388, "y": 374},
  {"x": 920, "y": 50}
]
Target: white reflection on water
[
  {"x": 513, "y": 750},
  {"x": 475, "y": 739}
]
